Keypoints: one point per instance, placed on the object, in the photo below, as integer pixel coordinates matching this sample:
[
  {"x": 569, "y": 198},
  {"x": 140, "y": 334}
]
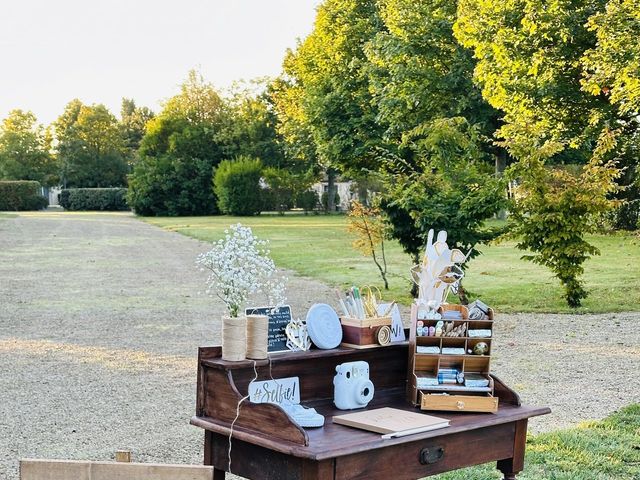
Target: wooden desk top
[
  {"x": 221, "y": 384},
  {"x": 334, "y": 440}
]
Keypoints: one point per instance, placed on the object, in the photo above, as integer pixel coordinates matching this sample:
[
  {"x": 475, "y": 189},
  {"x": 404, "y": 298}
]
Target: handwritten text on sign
[
  {"x": 282, "y": 390},
  {"x": 278, "y": 320}
]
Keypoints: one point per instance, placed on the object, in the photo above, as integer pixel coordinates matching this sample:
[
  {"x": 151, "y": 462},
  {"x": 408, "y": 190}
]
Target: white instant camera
[{"x": 351, "y": 386}]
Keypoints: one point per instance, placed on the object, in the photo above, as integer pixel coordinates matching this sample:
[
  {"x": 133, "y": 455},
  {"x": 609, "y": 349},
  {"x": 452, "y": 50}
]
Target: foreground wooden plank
[{"x": 31, "y": 469}]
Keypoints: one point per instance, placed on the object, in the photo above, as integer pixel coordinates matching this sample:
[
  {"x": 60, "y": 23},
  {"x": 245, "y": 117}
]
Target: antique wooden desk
[{"x": 267, "y": 444}]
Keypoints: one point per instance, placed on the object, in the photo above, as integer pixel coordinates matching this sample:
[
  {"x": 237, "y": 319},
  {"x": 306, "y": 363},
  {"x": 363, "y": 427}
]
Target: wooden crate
[
  {"x": 32, "y": 469},
  {"x": 367, "y": 333},
  {"x": 440, "y": 397}
]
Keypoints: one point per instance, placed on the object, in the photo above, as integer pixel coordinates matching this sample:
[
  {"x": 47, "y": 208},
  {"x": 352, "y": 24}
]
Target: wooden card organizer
[
  {"x": 365, "y": 333},
  {"x": 443, "y": 396}
]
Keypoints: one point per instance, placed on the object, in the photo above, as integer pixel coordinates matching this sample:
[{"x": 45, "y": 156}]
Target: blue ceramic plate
[{"x": 324, "y": 326}]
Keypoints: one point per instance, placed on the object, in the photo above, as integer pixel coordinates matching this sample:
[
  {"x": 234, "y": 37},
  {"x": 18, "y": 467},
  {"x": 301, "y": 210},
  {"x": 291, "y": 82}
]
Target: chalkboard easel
[{"x": 278, "y": 321}]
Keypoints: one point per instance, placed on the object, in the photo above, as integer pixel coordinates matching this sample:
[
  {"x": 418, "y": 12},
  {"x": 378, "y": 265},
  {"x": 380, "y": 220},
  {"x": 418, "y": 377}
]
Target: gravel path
[{"x": 100, "y": 320}]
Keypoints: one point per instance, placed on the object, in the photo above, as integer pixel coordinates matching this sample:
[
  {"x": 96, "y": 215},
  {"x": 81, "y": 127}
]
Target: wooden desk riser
[{"x": 267, "y": 444}]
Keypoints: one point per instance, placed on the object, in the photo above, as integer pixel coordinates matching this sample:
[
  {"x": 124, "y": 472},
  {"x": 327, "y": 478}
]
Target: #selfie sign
[{"x": 281, "y": 390}]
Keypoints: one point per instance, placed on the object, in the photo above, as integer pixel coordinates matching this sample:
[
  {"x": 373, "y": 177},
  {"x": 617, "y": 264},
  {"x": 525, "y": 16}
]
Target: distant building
[
  {"x": 51, "y": 194},
  {"x": 344, "y": 192}
]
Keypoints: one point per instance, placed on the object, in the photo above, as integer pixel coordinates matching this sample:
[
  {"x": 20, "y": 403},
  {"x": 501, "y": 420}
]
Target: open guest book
[{"x": 391, "y": 422}]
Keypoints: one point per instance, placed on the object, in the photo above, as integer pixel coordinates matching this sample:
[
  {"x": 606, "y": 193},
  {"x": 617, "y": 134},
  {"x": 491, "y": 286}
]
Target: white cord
[{"x": 255, "y": 371}]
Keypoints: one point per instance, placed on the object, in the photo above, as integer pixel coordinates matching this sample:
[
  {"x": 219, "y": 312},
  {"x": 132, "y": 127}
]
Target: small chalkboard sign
[{"x": 278, "y": 320}]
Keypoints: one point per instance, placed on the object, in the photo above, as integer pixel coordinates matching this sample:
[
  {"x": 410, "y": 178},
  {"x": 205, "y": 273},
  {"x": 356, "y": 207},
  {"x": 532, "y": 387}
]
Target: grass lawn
[
  {"x": 319, "y": 246},
  {"x": 606, "y": 450}
]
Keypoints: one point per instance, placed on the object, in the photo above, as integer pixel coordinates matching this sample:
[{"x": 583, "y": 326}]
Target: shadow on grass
[{"x": 604, "y": 450}]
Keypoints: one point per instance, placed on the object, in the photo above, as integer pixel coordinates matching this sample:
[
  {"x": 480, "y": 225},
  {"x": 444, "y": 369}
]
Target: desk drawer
[
  {"x": 430, "y": 456},
  {"x": 458, "y": 403}
]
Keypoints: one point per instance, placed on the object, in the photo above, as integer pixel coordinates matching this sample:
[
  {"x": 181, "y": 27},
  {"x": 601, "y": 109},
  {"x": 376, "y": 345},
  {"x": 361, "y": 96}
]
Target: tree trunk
[
  {"x": 331, "y": 190},
  {"x": 501, "y": 164},
  {"x": 414, "y": 287}
]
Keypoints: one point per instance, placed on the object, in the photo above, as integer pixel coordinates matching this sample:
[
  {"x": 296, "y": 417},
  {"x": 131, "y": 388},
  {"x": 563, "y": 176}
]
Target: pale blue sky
[{"x": 52, "y": 51}]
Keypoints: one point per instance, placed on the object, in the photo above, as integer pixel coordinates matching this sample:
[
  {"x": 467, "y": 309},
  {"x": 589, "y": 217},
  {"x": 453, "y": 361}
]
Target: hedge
[
  {"x": 94, "y": 199},
  {"x": 627, "y": 216},
  {"x": 236, "y": 183},
  {"x": 308, "y": 201},
  {"x": 21, "y": 195}
]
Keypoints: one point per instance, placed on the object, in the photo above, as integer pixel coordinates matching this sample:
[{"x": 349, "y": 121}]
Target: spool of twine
[
  {"x": 257, "y": 336},
  {"x": 234, "y": 338}
]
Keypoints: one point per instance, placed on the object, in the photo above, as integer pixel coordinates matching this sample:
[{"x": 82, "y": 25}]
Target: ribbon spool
[
  {"x": 234, "y": 338},
  {"x": 383, "y": 335},
  {"x": 257, "y": 336}
]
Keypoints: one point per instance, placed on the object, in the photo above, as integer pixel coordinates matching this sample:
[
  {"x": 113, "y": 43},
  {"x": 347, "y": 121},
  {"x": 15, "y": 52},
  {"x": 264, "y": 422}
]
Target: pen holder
[{"x": 366, "y": 333}]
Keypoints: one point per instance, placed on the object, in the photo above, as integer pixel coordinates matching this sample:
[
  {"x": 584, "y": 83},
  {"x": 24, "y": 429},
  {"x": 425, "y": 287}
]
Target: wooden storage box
[
  {"x": 365, "y": 333},
  {"x": 432, "y": 359}
]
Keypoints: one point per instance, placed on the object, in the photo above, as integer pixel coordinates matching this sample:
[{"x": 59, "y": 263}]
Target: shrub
[
  {"x": 553, "y": 211},
  {"x": 308, "y": 201},
  {"x": 281, "y": 188},
  {"x": 325, "y": 201},
  {"x": 236, "y": 183},
  {"x": 94, "y": 199},
  {"x": 21, "y": 195},
  {"x": 269, "y": 200},
  {"x": 165, "y": 185},
  {"x": 627, "y": 216}
]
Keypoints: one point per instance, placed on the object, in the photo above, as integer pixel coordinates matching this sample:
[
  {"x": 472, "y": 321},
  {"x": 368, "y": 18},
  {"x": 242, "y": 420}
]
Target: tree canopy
[
  {"x": 90, "y": 147},
  {"x": 25, "y": 149},
  {"x": 178, "y": 153},
  {"x": 329, "y": 85}
]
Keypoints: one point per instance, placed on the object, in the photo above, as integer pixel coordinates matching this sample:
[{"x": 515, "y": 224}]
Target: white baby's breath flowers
[{"x": 240, "y": 266}]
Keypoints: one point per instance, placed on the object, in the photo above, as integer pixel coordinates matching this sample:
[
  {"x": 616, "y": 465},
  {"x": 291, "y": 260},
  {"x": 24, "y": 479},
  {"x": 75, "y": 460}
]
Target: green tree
[
  {"x": 554, "y": 211},
  {"x": 446, "y": 186},
  {"x": 529, "y": 66},
  {"x": 531, "y": 56},
  {"x": 178, "y": 153},
  {"x": 250, "y": 129},
  {"x": 612, "y": 69},
  {"x": 285, "y": 186},
  {"x": 292, "y": 124},
  {"x": 331, "y": 68},
  {"x": 133, "y": 122},
  {"x": 419, "y": 72},
  {"x": 25, "y": 149},
  {"x": 89, "y": 146},
  {"x": 613, "y": 65},
  {"x": 328, "y": 75}
]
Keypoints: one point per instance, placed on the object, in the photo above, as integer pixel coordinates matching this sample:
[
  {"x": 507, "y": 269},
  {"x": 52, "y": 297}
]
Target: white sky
[{"x": 99, "y": 51}]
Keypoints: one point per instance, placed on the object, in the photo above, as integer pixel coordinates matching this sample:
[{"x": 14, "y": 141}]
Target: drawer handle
[
  {"x": 460, "y": 405},
  {"x": 429, "y": 456}
]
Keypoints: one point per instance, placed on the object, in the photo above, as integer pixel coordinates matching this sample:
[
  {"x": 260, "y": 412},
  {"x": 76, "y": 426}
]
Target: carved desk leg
[{"x": 510, "y": 467}]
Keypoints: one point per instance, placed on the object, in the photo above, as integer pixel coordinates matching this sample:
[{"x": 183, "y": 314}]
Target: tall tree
[
  {"x": 612, "y": 69},
  {"x": 328, "y": 71},
  {"x": 531, "y": 56},
  {"x": 250, "y": 129},
  {"x": 25, "y": 149},
  {"x": 447, "y": 186},
  {"x": 90, "y": 148},
  {"x": 419, "y": 71},
  {"x": 178, "y": 153},
  {"x": 529, "y": 66},
  {"x": 133, "y": 122},
  {"x": 292, "y": 124}
]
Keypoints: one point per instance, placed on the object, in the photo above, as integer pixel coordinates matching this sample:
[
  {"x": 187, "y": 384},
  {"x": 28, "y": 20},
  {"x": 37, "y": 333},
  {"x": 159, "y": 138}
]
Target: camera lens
[{"x": 363, "y": 392}]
